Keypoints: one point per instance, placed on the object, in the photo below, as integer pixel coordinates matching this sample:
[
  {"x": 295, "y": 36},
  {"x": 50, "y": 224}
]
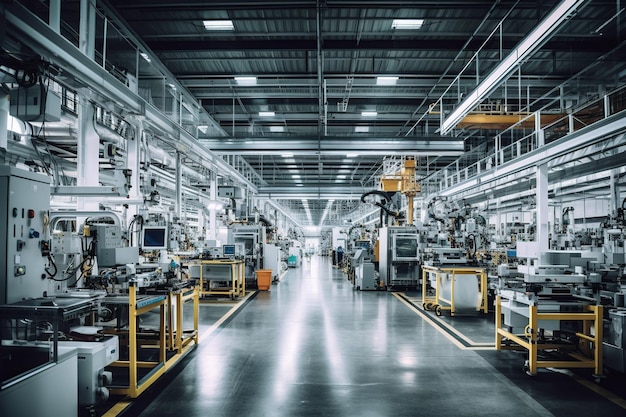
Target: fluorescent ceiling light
[
  {"x": 267, "y": 114},
  {"x": 533, "y": 41},
  {"x": 293, "y": 171},
  {"x": 386, "y": 80},
  {"x": 300, "y": 185},
  {"x": 352, "y": 155},
  {"x": 295, "y": 176},
  {"x": 245, "y": 80},
  {"x": 369, "y": 113},
  {"x": 145, "y": 56},
  {"x": 407, "y": 24},
  {"x": 277, "y": 129},
  {"x": 341, "y": 177},
  {"x": 362, "y": 129},
  {"x": 286, "y": 155},
  {"x": 218, "y": 25}
]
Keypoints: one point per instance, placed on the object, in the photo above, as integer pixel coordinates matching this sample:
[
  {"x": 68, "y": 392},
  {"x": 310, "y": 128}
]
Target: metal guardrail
[{"x": 474, "y": 163}]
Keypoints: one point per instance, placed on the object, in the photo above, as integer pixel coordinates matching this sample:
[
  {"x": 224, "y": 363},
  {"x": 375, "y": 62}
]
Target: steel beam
[{"x": 337, "y": 145}]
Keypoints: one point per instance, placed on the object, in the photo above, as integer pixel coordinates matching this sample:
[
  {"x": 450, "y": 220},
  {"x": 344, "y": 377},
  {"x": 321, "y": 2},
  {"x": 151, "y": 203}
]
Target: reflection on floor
[{"x": 312, "y": 346}]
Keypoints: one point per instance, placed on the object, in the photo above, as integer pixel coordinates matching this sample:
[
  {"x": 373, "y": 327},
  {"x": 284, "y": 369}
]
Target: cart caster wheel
[
  {"x": 438, "y": 310},
  {"x": 428, "y": 306},
  {"x": 526, "y": 369}
]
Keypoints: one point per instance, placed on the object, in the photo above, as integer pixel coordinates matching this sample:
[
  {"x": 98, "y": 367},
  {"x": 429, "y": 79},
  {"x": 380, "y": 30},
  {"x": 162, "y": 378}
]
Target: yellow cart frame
[
  {"x": 592, "y": 320},
  {"x": 430, "y": 302},
  {"x": 135, "y": 309},
  {"x": 172, "y": 338},
  {"x": 179, "y": 339},
  {"x": 237, "y": 286}
]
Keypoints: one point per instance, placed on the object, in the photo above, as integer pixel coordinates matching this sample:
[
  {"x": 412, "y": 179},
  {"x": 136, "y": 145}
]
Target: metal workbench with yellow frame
[
  {"x": 586, "y": 353},
  {"x": 171, "y": 340},
  {"x": 445, "y": 297},
  {"x": 233, "y": 285}
]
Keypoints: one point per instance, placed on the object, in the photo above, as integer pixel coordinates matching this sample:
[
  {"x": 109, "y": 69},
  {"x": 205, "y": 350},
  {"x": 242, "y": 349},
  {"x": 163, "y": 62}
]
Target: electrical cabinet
[{"x": 24, "y": 241}]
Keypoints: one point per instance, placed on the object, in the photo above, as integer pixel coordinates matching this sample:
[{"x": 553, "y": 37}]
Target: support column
[
  {"x": 134, "y": 162},
  {"x": 87, "y": 35},
  {"x": 213, "y": 208},
  {"x": 179, "y": 187},
  {"x": 615, "y": 202},
  {"x": 54, "y": 15},
  {"x": 88, "y": 170},
  {"x": 541, "y": 193},
  {"x": 4, "y": 120}
]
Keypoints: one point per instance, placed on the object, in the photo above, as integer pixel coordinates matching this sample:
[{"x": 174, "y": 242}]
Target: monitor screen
[
  {"x": 154, "y": 238},
  {"x": 406, "y": 247},
  {"x": 363, "y": 244},
  {"x": 228, "y": 250}
]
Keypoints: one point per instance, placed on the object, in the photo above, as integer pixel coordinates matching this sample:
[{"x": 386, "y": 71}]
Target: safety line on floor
[
  {"x": 614, "y": 398},
  {"x": 226, "y": 316},
  {"x": 123, "y": 404},
  {"x": 460, "y": 340}
]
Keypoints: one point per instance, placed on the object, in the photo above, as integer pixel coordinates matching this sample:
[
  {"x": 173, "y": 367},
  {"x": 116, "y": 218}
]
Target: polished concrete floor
[{"x": 312, "y": 346}]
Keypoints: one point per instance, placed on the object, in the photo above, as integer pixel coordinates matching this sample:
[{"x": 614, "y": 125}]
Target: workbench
[
  {"x": 228, "y": 279},
  {"x": 584, "y": 351}
]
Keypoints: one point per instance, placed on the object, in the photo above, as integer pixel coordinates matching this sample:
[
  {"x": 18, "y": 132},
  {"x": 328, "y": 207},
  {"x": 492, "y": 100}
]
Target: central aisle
[{"x": 312, "y": 346}]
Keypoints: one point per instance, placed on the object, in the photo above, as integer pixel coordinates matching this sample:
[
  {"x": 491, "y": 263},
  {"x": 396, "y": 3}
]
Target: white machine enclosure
[
  {"x": 24, "y": 210},
  {"x": 93, "y": 357}
]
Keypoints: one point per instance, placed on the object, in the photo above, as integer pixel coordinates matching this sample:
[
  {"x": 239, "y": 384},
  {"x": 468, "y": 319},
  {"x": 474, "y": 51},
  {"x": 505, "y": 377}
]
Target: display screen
[
  {"x": 406, "y": 247},
  {"x": 228, "y": 250},
  {"x": 363, "y": 244},
  {"x": 154, "y": 238}
]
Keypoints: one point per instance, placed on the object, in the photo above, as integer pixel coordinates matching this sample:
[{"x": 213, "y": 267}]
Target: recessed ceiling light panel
[
  {"x": 407, "y": 24},
  {"x": 218, "y": 25}
]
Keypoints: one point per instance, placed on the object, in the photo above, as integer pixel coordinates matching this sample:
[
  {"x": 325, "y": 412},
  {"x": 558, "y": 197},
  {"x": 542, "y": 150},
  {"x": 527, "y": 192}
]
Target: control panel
[{"x": 24, "y": 235}]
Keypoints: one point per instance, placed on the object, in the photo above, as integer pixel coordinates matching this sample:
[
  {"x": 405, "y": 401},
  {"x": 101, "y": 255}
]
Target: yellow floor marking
[
  {"x": 600, "y": 391},
  {"x": 475, "y": 346},
  {"x": 120, "y": 406}
]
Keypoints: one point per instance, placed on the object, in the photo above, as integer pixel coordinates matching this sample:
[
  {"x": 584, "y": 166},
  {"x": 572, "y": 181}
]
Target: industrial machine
[
  {"x": 364, "y": 272},
  {"x": 399, "y": 255},
  {"x": 252, "y": 237},
  {"x": 24, "y": 235}
]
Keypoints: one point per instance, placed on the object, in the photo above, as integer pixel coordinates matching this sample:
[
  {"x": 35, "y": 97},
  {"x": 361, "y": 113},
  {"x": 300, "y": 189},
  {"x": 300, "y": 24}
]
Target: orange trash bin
[{"x": 263, "y": 279}]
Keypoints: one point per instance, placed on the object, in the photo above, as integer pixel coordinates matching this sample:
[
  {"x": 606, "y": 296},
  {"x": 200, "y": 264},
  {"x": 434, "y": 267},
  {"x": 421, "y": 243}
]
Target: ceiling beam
[{"x": 338, "y": 145}]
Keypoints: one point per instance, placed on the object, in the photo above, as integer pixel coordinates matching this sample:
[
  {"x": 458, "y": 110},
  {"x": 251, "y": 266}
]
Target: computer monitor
[
  {"x": 154, "y": 238},
  {"x": 228, "y": 251},
  {"x": 405, "y": 248}
]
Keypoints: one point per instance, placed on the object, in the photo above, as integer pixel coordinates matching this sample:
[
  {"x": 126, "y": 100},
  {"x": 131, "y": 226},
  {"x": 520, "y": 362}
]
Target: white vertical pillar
[
  {"x": 179, "y": 188},
  {"x": 4, "y": 120},
  {"x": 541, "y": 140},
  {"x": 615, "y": 202},
  {"x": 213, "y": 209},
  {"x": 54, "y": 15},
  {"x": 88, "y": 170},
  {"x": 133, "y": 152},
  {"x": 541, "y": 193},
  {"x": 87, "y": 29}
]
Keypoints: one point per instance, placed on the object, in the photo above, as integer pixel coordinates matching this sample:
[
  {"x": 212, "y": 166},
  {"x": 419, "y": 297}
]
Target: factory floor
[{"x": 312, "y": 346}]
